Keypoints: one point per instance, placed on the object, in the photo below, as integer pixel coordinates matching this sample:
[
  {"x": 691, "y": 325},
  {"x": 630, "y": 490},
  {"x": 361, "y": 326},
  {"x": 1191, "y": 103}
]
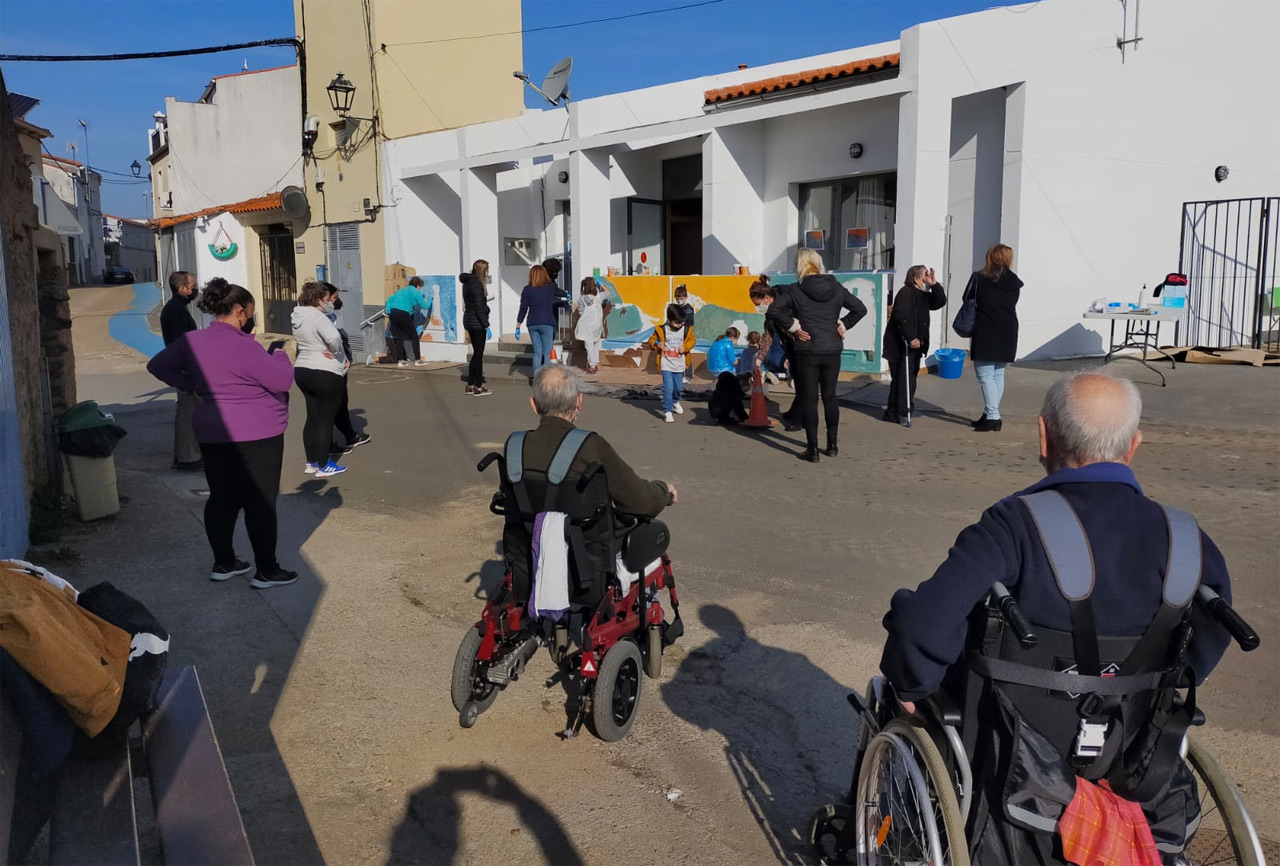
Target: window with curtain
[{"x": 850, "y": 221}]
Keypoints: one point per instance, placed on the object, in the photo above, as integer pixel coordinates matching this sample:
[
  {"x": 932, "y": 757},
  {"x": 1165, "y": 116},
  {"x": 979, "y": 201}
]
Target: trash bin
[
  {"x": 950, "y": 363},
  {"x": 87, "y": 439}
]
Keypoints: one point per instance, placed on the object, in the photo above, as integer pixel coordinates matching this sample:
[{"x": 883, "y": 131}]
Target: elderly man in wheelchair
[
  {"x": 1038, "y": 688},
  {"x": 585, "y": 560}
]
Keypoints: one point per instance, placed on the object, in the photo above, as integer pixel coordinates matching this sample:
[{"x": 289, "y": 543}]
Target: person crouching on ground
[
  {"x": 723, "y": 354},
  {"x": 590, "y": 327},
  {"x": 906, "y": 337},
  {"x": 671, "y": 343},
  {"x": 725, "y": 405},
  {"x": 321, "y": 373},
  {"x": 400, "y": 309},
  {"x": 240, "y": 425}
]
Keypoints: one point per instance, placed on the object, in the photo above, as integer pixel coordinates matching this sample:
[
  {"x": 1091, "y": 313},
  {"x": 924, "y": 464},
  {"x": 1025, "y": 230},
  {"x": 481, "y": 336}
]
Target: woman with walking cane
[{"x": 906, "y": 338}]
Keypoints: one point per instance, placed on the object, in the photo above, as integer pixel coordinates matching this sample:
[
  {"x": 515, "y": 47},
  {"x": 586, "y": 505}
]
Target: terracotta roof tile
[
  {"x": 801, "y": 79},
  {"x": 271, "y": 201}
]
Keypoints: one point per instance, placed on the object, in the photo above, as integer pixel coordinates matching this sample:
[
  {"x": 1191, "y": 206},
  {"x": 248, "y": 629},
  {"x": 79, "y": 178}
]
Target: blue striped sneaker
[{"x": 329, "y": 470}]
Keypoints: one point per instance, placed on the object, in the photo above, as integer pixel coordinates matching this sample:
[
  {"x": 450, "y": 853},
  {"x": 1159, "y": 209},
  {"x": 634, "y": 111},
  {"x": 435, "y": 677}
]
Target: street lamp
[
  {"x": 136, "y": 168},
  {"x": 341, "y": 93}
]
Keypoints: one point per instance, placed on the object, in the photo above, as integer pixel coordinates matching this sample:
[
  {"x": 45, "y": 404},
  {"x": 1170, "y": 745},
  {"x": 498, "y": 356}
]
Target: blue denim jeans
[
  {"x": 775, "y": 361},
  {"x": 991, "y": 381},
  {"x": 542, "y": 337},
  {"x": 672, "y": 386}
]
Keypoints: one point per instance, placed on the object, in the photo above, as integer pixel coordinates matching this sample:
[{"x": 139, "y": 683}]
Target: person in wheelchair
[
  {"x": 557, "y": 401},
  {"x": 1106, "y": 578}
]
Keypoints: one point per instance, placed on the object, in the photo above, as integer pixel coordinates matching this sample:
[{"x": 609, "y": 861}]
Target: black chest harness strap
[{"x": 1148, "y": 666}]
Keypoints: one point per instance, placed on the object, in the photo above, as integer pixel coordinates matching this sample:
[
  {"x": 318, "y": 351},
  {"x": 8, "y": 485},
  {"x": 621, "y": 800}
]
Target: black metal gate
[
  {"x": 1229, "y": 254},
  {"x": 279, "y": 279}
]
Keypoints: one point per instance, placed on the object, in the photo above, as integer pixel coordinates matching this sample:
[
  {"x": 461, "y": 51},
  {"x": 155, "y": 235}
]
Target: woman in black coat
[
  {"x": 906, "y": 337},
  {"x": 811, "y": 311},
  {"x": 475, "y": 320},
  {"x": 994, "y": 344}
]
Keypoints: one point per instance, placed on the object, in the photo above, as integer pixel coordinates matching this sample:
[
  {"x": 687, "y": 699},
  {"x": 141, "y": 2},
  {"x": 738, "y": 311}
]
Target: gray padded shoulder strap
[
  {"x": 1183, "y": 572},
  {"x": 1064, "y": 541},
  {"x": 563, "y": 460},
  {"x": 515, "y": 456}
]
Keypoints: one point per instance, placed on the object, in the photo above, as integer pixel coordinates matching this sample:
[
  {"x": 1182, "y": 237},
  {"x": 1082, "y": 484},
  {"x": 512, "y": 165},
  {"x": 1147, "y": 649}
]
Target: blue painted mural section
[{"x": 130, "y": 326}]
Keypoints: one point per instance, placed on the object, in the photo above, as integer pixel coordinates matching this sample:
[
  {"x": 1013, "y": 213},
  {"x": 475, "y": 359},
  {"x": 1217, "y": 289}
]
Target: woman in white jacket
[
  {"x": 320, "y": 370},
  {"x": 590, "y": 329}
]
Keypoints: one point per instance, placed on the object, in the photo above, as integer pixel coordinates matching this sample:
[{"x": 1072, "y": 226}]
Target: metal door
[
  {"x": 1229, "y": 254},
  {"x": 345, "y": 273},
  {"x": 279, "y": 279}
]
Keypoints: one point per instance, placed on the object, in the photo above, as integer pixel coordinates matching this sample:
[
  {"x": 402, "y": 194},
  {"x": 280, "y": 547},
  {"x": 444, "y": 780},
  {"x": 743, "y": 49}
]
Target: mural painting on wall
[
  {"x": 640, "y": 303},
  {"x": 442, "y": 289}
]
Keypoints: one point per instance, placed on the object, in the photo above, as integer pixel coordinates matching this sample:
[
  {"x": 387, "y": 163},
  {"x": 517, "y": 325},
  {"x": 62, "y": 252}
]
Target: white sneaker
[
  {"x": 421, "y": 363},
  {"x": 310, "y": 469},
  {"x": 678, "y": 409},
  {"x": 770, "y": 378},
  {"x": 666, "y": 416},
  {"x": 402, "y": 363}
]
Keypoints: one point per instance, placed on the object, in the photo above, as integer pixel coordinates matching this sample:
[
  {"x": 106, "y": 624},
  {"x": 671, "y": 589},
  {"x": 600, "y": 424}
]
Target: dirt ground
[{"x": 330, "y": 697}]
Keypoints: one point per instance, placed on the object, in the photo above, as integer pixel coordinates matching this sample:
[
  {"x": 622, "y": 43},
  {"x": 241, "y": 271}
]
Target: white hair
[
  {"x": 1090, "y": 417},
  {"x": 555, "y": 390}
]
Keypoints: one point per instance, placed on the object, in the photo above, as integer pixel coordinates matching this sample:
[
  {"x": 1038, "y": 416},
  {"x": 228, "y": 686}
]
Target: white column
[
  {"x": 1015, "y": 108},
  {"x": 732, "y": 209},
  {"x": 924, "y": 150},
  {"x": 590, "y": 211},
  {"x": 479, "y": 194}
]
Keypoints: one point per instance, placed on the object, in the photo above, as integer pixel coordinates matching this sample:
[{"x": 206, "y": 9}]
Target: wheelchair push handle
[
  {"x": 487, "y": 460},
  {"x": 1233, "y": 622},
  {"x": 1012, "y": 614}
]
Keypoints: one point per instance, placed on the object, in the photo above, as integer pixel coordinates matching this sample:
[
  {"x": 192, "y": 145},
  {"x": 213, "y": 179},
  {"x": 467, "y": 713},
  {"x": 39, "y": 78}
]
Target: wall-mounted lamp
[
  {"x": 1221, "y": 173},
  {"x": 136, "y": 168},
  {"x": 855, "y": 150},
  {"x": 341, "y": 94},
  {"x": 563, "y": 177}
]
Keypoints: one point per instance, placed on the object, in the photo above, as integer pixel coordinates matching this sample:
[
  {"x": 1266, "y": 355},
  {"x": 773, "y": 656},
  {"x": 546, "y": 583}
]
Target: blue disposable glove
[
  {"x": 488, "y": 333},
  {"x": 517, "y": 332}
]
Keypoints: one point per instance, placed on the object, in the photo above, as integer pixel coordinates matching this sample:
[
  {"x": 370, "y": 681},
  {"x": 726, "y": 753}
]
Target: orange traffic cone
[
  {"x": 553, "y": 359},
  {"x": 759, "y": 415}
]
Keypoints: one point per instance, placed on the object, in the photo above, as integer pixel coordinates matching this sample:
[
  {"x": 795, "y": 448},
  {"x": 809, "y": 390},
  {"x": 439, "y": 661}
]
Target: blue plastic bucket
[{"x": 950, "y": 362}]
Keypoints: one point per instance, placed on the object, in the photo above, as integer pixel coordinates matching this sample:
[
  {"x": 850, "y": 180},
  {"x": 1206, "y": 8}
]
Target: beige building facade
[{"x": 416, "y": 67}]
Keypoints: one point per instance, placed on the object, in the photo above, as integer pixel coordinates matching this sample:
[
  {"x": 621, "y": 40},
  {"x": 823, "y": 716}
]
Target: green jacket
[{"x": 631, "y": 493}]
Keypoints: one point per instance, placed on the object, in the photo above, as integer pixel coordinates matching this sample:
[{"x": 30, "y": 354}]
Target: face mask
[
  {"x": 326, "y": 308},
  {"x": 588, "y": 299},
  {"x": 673, "y": 326},
  {"x": 249, "y": 325},
  {"x": 762, "y": 308}
]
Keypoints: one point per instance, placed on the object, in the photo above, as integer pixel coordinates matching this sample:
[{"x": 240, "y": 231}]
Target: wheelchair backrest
[{"x": 582, "y": 496}]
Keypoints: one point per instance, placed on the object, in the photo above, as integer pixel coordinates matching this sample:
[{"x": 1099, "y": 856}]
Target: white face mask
[
  {"x": 326, "y": 308},
  {"x": 762, "y": 308},
  {"x": 588, "y": 299}
]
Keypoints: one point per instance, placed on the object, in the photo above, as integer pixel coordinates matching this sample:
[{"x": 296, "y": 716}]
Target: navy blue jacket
[
  {"x": 1130, "y": 542},
  {"x": 540, "y": 304}
]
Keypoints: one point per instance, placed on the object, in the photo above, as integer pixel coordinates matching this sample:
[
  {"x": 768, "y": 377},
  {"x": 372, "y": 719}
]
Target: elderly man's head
[
  {"x": 557, "y": 391},
  {"x": 1089, "y": 417}
]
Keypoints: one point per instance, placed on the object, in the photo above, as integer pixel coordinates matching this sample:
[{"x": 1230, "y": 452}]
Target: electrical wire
[
  {"x": 147, "y": 55},
  {"x": 130, "y": 176},
  {"x": 556, "y": 26}
]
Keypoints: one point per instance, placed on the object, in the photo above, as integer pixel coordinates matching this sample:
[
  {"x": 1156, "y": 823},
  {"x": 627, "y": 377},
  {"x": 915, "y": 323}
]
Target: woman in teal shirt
[{"x": 400, "y": 309}]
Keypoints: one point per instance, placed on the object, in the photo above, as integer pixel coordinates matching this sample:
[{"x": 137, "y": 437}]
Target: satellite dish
[
  {"x": 293, "y": 201},
  {"x": 555, "y": 86}
]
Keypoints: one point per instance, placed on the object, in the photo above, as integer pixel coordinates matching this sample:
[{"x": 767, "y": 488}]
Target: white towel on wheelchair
[
  {"x": 550, "y": 596},
  {"x": 627, "y": 577}
]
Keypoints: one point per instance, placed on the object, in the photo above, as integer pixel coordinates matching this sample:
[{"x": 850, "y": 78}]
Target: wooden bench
[{"x": 196, "y": 817}]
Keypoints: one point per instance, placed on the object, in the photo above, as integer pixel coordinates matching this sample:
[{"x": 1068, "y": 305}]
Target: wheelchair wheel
[
  {"x": 617, "y": 692},
  {"x": 467, "y": 685},
  {"x": 906, "y": 809},
  {"x": 1225, "y": 834}
]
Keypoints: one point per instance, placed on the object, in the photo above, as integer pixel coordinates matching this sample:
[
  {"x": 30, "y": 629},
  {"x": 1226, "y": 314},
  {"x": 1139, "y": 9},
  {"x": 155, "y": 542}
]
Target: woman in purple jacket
[{"x": 240, "y": 426}]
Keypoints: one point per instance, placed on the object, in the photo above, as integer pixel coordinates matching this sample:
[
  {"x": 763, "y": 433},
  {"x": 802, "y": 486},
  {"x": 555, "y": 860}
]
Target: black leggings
[
  {"x": 475, "y": 371},
  {"x": 402, "y": 331},
  {"x": 324, "y": 392},
  {"x": 818, "y": 373},
  {"x": 243, "y": 476},
  {"x": 343, "y": 419}
]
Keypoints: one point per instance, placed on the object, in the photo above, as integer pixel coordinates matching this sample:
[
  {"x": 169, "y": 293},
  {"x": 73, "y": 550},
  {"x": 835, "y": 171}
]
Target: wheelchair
[
  {"x": 913, "y": 792},
  {"x": 611, "y": 638}
]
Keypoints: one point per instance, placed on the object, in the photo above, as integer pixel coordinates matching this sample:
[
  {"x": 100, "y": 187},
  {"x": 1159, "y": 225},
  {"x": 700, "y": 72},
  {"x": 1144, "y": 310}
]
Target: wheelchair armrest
[{"x": 944, "y": 709}]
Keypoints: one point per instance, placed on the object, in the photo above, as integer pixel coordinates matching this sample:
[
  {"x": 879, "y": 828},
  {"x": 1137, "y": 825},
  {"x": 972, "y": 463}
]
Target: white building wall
[
  {"x": 1109, "y": 150},
  {"x": 245, "y": 144}
]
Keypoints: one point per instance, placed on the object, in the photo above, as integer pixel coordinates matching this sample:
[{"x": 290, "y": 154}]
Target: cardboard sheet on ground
[{"x": 1208, "y": 355}]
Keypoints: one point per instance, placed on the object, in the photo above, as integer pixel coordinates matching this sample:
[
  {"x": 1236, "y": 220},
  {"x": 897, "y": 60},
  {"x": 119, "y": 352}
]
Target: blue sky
[{"x": 118, "y": 99}]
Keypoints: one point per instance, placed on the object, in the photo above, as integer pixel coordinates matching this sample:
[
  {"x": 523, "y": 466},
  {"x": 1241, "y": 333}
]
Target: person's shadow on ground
[
  {"x": 789, "y": 735},
  {"x": 429, "y": 831}
]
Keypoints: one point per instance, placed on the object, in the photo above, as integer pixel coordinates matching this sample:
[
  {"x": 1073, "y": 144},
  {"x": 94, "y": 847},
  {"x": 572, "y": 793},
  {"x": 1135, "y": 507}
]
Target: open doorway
[{"x": 665, "y": 235}]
